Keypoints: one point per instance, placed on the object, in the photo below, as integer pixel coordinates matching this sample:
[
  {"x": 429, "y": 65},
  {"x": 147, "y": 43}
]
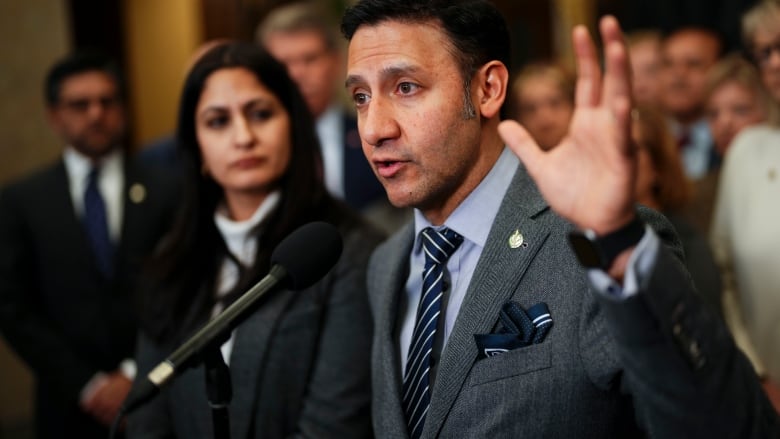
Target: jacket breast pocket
[{"x": 515, "y": 362}]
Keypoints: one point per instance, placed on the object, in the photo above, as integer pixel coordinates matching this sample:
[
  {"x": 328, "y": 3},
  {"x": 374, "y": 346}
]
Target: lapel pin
[
  {"x": 516, "y": 239},
  {"x": 137, "y": 193}
]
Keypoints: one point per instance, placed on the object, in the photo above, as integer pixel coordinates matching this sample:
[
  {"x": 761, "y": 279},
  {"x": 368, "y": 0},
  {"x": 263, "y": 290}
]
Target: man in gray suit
[{"x": 505, "y": 334}]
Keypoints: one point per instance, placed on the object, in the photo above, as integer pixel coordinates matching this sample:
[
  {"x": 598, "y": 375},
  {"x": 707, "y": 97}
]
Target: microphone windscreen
[{"x": 308, "y": 253}]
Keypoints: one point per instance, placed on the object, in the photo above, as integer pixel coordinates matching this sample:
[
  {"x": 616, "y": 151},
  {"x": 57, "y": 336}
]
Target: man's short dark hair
[
  {"x": 75, "y": 64},
  {"x": 476, "y": 29}
]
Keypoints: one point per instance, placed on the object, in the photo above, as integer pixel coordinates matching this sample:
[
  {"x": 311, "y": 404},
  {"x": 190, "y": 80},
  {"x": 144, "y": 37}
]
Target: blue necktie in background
[
  {"x": 96, "y": 224},
  {"x": 438, "y": 247}
]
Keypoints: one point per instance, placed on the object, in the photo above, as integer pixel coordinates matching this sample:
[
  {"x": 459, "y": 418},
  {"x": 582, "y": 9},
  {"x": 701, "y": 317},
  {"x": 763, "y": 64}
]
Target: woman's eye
[
  {"x": 261, "y": 114},
  {"x": 217, "y": 122}
]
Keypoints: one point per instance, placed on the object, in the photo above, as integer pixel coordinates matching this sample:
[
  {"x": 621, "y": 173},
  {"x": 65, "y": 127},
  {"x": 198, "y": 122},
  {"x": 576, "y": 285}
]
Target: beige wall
[
  {"x": 33, "y": 33},
  {"x": 566, "y": 15},
  {"x": 160, "y": 37}
]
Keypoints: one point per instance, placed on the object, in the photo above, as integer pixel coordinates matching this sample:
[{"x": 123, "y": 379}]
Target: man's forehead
[
  {"x": 398, "y": 38},
  {"x": 87, "y": 81},
  {"x": 383, "y": 72}
]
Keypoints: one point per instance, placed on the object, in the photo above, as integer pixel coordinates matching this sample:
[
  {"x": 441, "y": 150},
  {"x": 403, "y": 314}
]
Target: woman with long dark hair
[{"x": 300, "y": 363}]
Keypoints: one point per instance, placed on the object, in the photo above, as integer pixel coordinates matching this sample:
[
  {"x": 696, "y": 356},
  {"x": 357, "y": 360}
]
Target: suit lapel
[
  {"x": 134, "y": 201},
  {"x": 495, "y": 280},
  {"x": 61, "y": 214},
  {"x": 387, "y": 288}
]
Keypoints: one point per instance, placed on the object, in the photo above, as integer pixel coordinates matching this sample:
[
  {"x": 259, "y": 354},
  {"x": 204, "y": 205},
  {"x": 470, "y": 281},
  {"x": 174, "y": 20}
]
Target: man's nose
[{"x": 377, "y": 123}]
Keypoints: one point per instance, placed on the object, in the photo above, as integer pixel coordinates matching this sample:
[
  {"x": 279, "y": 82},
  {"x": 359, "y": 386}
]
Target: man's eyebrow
[
  {"x": 353, "y": 80},
  {"x": 384, "y": 74}
]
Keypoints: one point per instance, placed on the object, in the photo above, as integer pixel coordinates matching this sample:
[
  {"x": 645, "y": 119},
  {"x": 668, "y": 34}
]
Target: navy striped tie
[
  {"x": 96, "y": 224},
  {"x": 438, "y": 247}
]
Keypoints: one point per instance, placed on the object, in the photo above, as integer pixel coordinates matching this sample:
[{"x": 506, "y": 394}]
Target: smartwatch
[{"x": 600, "y": 251}]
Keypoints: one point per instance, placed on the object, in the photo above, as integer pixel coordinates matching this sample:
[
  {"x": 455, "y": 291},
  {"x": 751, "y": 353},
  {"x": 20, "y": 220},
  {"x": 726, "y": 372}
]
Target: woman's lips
[{"x": 246, "y": 163}]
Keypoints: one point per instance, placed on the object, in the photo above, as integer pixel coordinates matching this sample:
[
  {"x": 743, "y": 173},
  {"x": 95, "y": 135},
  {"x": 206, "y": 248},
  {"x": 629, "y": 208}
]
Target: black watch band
[{"x": 600, "y": 251}]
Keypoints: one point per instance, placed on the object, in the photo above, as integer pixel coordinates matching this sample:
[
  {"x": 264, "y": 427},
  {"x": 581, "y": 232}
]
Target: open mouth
[{"x": 388, "y": 168}]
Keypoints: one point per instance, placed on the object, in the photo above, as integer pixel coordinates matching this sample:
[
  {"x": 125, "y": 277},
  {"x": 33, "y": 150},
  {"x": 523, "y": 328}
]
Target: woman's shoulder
[
  {"x": 358, "y": 234},
  {"x": 753, "y": 139}
]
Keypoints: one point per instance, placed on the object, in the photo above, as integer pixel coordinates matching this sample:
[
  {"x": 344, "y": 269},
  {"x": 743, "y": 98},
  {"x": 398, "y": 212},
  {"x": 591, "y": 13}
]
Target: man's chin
[
  {"x": 96, "y": 149},
  {"x": 400, "y": 198}
]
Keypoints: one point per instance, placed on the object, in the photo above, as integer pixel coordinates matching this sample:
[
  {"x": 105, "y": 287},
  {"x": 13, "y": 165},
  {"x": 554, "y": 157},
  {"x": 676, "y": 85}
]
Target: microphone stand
[{"x": 219, "y": 390}]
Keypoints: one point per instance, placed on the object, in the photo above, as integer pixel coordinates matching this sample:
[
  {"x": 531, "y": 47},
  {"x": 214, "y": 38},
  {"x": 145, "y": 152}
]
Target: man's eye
[
  {"x": 407, "y": 87},
  {"x": 360, "y": 98}
]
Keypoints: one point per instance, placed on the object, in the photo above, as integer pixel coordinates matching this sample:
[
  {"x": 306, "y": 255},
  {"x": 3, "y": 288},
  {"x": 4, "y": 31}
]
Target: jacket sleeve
[
  {"x": 152, "y": 420},
  {"x": 337, "y": 401},
  {"x": 680, "y": 364}
]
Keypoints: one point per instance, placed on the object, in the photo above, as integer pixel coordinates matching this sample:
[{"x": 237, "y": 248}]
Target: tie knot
[{"x": 439, "y": 245}]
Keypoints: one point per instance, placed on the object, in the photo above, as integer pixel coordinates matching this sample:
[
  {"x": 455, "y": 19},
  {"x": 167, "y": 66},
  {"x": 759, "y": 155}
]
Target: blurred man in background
[{"x": 72, "y": 237}]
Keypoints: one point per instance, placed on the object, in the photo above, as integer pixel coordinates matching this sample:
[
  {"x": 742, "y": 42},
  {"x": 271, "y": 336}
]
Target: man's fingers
[
  {"x": 588, "y": 72},
  {"x": 521, "y": 143},
  {"x": 617, "y": 77},
  {"x": 621, "y": 109}
]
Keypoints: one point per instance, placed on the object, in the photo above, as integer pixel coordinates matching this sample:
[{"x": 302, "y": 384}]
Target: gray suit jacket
[
  {"x": 657, "y": 363},
  {"x": 299, "y": 365}
]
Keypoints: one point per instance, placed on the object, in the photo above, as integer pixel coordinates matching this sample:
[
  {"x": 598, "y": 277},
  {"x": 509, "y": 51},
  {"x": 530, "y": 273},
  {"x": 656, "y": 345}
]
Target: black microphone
[{"x": 300, "y": 260}]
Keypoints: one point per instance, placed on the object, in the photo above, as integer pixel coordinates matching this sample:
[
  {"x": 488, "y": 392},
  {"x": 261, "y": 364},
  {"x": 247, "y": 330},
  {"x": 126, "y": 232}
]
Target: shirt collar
[
  {"x": 474, "y": 217},
  {"x": 236, "y": 233},
  {"x": 79, "y": 165}
]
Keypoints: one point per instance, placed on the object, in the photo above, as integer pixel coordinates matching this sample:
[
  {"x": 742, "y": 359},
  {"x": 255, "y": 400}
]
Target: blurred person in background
[
  {"x": 72, "y": 239},
  {"x": 252, "y": 174},
  {"x": 744, "y": 232},
  {"x": 542, "y": 99},
  {"x": 735, "y": 99},
  {"x": 662, "y": 185},
  {"x": 644, "y": 50},
  {"x": 301, "y": 36},
  {"x": 687, "y": 55}
]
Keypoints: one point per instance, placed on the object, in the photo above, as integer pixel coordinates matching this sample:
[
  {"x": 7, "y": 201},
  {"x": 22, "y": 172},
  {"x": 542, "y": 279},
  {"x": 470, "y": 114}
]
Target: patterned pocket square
[{"x": 519, "y": 328}]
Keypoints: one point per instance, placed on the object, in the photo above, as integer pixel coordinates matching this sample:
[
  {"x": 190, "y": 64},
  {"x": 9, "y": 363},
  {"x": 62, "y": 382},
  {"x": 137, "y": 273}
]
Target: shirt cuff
[
  {"x": 128, "y": 369},
  {"x": 640, "y": 263}
]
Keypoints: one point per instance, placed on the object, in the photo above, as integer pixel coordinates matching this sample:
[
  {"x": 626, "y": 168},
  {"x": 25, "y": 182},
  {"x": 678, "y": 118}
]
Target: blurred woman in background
[
  {"x": 662, "y": 185},
  {"x": 745, "y": 234}
]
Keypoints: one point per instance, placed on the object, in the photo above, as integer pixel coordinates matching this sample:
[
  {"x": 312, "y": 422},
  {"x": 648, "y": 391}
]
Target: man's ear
[{"x": 492, "y": 80}]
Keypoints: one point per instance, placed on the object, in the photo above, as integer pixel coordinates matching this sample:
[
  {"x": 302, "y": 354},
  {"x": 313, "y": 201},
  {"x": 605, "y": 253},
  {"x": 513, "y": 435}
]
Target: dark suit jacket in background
[
  {"x": 606, "y": 369},
  {"x": 58, "y": 313},
  {"x": 361, "y": 187},
  {"x": 299, "y": 364}
]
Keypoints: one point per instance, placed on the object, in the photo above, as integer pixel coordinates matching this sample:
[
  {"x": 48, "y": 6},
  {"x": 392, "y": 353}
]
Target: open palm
[{"x": 589, "y": 177}]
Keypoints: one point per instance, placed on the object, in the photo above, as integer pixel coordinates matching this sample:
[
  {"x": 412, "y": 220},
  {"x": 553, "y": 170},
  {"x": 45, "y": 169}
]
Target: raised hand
[{"x": 589, "y": 177}]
